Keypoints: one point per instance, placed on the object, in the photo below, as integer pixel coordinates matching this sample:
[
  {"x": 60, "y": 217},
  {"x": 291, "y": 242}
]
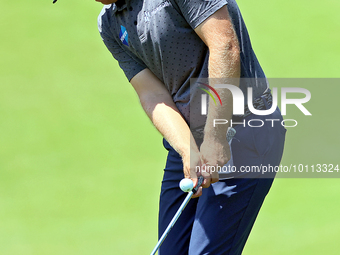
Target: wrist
[
  {"x": 216, "y": 134},
  {"x": 191, "y": 149}
]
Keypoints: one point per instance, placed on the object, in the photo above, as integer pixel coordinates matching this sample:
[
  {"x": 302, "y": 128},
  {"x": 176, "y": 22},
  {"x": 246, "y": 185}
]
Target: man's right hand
[
  {"x": 191, "y": 163},
  {"x": 193, "y": 167}
]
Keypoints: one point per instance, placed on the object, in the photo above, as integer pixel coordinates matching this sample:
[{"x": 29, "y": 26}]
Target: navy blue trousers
[{"x": 220, "y": 221}]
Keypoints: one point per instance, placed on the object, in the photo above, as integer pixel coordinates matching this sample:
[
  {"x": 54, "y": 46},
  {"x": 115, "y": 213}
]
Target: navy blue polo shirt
[{"x": 159, "y": 35}]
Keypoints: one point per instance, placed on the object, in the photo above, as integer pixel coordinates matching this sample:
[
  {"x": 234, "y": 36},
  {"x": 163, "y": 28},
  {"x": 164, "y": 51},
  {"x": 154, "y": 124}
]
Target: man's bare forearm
[
  {"x": 162, "y": 111},
  {"x": 224, "y": 66},
  {"x": 166, "y": 118}
]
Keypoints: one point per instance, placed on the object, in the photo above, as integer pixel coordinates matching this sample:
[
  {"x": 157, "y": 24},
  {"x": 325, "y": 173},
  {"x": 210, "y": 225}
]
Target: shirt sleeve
[
  {"x": 130, "y": 64},
  {"x": 197, "y": 11}
]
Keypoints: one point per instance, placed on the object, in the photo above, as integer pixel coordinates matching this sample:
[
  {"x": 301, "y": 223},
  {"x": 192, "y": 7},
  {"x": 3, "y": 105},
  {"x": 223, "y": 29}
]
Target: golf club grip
[{"x": 199, "y": 183}]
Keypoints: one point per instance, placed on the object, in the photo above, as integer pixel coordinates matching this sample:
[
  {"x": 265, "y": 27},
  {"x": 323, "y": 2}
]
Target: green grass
[{"x": 81, "y": 165}]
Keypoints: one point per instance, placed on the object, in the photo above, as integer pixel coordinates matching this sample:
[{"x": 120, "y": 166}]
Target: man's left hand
[{"x": 214, "y": 152}]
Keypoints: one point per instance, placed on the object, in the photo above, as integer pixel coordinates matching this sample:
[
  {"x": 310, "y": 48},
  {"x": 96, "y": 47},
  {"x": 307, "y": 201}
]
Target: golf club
[{"x": 230, "y": 134}]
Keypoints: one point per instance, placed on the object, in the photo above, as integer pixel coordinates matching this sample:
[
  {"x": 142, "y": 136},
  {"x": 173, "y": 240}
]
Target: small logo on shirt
[
  {"x": 149, "y": 14},
  {"x": 123, "y": 36}
]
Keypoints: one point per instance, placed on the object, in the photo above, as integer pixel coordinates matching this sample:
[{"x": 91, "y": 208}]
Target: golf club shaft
[
  {"x": 178, "y": 213},
  {"x": 172, "y": 223}
]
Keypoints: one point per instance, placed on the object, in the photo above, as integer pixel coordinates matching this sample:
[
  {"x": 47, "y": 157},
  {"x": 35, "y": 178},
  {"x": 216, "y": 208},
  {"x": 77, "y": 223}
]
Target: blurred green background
[{"x": 81, "y": 165}]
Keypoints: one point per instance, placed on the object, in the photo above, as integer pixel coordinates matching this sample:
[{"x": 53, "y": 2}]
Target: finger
[
  {"x": 214, "y": 177},
  {"x": 194, "y": 180},
  {"x": 207, "y": 179},
  {"x": 198, "y": 193},
  {"x": 193, "y": 177}
]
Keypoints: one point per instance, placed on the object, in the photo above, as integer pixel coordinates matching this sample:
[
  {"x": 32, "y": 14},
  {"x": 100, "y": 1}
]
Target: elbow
[
  {"x": 234, "y": 45},
  {"x": 235, "y": 49},
  {"x": 146, "y": 104},
  {"x": 228, "y": 49},
  {"x": 231, "y": 48},
  {"x": 225, "y": 60}
]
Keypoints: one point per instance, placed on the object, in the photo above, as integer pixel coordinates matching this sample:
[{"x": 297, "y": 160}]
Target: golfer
[{"x": 162, "y": 45}]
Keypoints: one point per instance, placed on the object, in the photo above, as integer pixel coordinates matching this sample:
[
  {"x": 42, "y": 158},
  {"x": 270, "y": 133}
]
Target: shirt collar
[{"x": 120, "y": 5}]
